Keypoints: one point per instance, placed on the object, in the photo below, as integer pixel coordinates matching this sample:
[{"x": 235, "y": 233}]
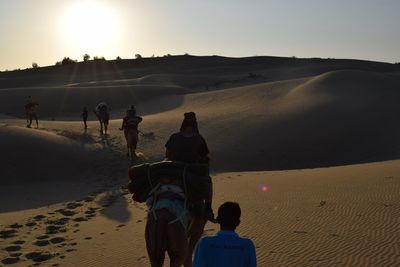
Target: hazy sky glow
[{"x": 44, "y": 31}]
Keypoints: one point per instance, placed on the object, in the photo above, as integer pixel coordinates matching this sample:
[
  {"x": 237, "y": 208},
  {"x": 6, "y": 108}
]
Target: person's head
[
  {"x": 229, "y": 216},
  {"x": 189, "y": 122},
  {"x": 131, "y": 111}
]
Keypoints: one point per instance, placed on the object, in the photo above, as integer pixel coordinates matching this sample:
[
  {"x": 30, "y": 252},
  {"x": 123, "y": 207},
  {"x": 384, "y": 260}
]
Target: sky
[{"x": 45, "y": 31}]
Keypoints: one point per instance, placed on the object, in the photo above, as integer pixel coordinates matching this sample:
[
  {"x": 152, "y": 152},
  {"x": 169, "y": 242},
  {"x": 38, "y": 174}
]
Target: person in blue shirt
[{"x": 226, "y": 248}]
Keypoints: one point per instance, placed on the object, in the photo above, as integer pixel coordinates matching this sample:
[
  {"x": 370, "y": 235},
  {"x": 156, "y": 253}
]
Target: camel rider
[
  {"x": 130, "y": 125},
  {"x": 189, "y": 146},
  {"x": 102, "y": 112},
  {"x": 101, "y": 109}
]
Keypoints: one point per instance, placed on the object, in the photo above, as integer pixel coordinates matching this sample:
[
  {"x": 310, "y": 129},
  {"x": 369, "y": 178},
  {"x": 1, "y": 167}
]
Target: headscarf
[{"x": 189, "y": 120}]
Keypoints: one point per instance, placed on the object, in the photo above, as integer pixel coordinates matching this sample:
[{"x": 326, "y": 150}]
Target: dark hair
[
  {"x": 131, "y": 111},
  {"x": 229, "y": 215},
  {"x": 189, "y": 120}
]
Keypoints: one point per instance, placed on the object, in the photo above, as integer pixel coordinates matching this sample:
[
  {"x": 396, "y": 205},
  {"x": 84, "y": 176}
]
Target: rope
[
  {"x": 185, "y": 200},
  {"x": 152, "y": 210}
]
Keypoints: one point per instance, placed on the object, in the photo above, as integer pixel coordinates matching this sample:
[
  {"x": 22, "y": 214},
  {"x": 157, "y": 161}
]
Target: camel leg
[
  {"x": 131, "y": 142},
  {"x": 195, "y": 231},
  {"x": 177, "y": 245},
  {"x": 37, "y": 121},
  {"x": 101, "y": 127},
  {"x": 156, "y": 238}
]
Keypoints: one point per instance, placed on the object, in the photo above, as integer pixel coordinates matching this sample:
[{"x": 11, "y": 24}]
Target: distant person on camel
[
  {"x": 31, "y": 114},
  {"x": 102, "y": 112},
  {"x": 226, "y": 248},
  {"x": 130, "y": 126}
]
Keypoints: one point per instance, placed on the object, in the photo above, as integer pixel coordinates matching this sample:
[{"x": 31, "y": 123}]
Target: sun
[{"x": 90, "y": 27}]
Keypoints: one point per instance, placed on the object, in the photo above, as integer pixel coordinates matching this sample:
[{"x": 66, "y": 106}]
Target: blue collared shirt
[{"x": 225, "y": 249}]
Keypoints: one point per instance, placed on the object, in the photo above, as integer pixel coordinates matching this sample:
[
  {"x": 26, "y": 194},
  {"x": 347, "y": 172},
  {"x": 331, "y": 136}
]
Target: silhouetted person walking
[
  {"x": 85, "y": 115},
  {"x": 30, "y": 110},
  {"x": 226, "y": 248}
]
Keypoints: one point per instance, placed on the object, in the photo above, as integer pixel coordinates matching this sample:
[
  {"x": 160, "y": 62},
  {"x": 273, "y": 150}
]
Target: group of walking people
[{"x": 130, "y": 124}]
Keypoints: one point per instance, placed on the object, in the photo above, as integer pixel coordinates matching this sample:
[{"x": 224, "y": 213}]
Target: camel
[
  {"x": 30, "y": 110},
  {"x": 102, "y": 114},
  {"x": 131, "y": 137},
  {"x": 164, "y": 233},
  {"x": 130, "y": 125},
  {"x": 173, "y": 230}
]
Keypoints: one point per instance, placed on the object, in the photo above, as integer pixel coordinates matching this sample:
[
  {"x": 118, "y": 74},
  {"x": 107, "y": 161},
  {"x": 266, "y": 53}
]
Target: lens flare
[{"x": 264, "y": 188}]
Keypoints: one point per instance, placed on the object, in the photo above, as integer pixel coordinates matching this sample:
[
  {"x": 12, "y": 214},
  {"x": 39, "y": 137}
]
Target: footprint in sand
[
  {"x": 79, "y": 219},
  {"x": 30, "y": 224},
  {"x": 41, "y": 243},
  {"x": 88, "y": 238},
  {"x": 19, "y": 242},
  {"x": 7, "y": 261},
  {"x": 73, "y": 205},
  {"x": 16, "y": 226},
  {"x": 39, "y": 217},
  {"x": 8, "y": 233},
  {"x": 88, "y": 199},
  {"x": 91, "y": 212},
  {"x": 52, "y": 229},
  {"x": 12, "y": 248},
  {"x": 57, "y": 240},
  {"x": 61, "y": 221},
  {"x": 66, "y": 212},
  {"x": 39, "y": 256}
]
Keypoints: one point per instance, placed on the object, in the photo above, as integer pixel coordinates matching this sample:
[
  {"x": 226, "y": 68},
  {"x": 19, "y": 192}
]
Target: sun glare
[{"x": 90, "y": 27}]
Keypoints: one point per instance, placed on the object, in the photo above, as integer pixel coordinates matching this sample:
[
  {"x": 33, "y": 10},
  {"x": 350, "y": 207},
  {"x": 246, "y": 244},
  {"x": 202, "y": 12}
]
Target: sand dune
[
  {"x": 336, "y": 118},
  {"x": 64, "y": 187},
  {"x": 39, "y": 155},
  {"x": 342, "y": 216},
  {"x": 55, "y": 102}
]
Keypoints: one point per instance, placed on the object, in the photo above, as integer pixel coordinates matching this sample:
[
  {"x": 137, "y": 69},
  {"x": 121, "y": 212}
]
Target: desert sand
[{"x": 309, "y": 148}]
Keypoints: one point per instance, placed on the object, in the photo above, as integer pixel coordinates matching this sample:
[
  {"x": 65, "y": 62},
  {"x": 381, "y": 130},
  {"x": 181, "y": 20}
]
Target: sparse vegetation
[
  {"x": 98, "y": 58},
  {"x": 35, "y": 65},
  {"x": 118, "y": 58},
  {"x": 66, "y": 61},
  {"x": 86, "y": 57},
  {"x": 138, "y": 56}
]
